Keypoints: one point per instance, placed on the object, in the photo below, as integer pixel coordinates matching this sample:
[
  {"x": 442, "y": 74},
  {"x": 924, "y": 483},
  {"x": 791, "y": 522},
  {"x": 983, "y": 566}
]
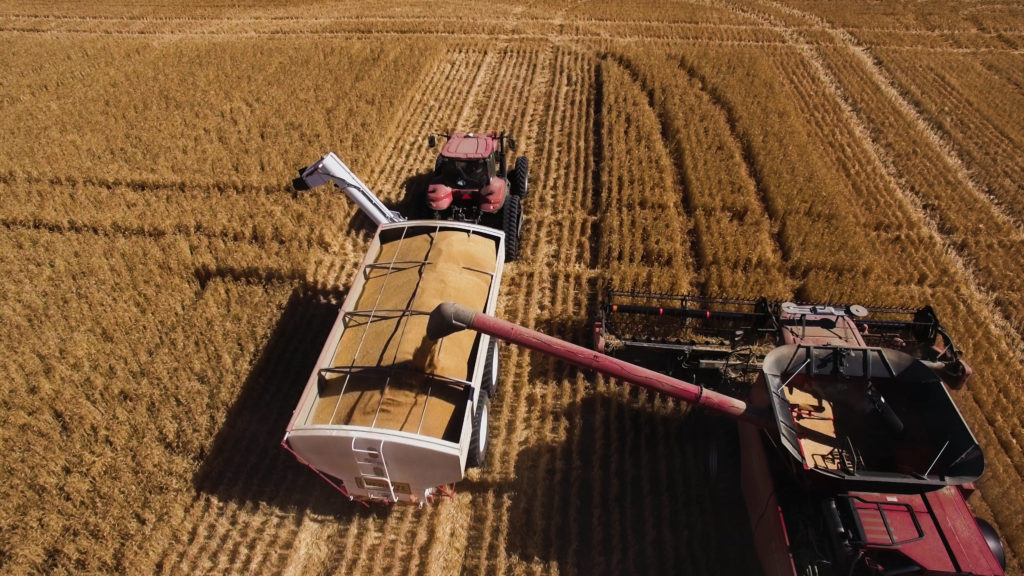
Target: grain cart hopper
[
  {"x": 848, "y": 437},
  {"x": 387, "y": 415},
  {"x": 471, "y": 182}
]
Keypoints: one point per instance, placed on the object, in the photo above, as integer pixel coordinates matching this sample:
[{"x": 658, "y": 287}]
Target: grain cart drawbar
[{"x": 847, "y": 434}]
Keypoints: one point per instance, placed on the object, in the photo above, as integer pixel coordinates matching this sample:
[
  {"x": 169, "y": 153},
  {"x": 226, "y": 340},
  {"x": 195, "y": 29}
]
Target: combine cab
[
  {"x": 471, "y": 182},
  {"x": 854, "y": 458}
]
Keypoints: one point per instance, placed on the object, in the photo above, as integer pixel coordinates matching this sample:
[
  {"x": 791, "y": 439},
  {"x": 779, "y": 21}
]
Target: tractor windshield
[{"x": 464, "y": 173}]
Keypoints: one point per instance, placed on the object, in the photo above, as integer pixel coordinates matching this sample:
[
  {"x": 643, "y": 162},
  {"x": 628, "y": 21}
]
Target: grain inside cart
[{"x": 387, "y": 414}]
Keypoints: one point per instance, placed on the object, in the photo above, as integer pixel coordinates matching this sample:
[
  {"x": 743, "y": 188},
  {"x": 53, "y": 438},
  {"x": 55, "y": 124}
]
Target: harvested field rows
[{"x": 164, "y": 295}]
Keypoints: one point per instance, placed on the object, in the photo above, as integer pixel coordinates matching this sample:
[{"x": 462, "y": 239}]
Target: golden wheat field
[{"x": 164, "y": 294}]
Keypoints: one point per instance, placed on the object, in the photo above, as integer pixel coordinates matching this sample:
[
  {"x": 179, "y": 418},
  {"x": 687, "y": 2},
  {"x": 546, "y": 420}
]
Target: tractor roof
[{"x": 469, "y": 146}]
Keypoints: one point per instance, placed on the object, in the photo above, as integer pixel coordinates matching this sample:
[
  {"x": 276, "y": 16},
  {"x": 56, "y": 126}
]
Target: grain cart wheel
[
  {"x": 513, "y": 222},
  {"x": 478, "y": 439},
  {"x": 490, "y": 379},
  {"x": 521, "y": 177}
]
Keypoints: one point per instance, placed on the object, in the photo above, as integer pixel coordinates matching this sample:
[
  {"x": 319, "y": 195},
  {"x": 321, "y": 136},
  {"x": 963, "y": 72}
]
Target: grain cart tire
[
  {"x": 478, "y": 439},
  {"x": 512, "y": 224},
  {"x": 490, "y": 379},
  {"x": 521, "y": 177}
]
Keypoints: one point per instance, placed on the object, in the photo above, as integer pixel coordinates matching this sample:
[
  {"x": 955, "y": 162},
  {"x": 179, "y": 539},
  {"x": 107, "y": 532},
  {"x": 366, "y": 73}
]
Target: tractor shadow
[
  {"x": 414, "y": 203},
  {"x": 247, "y": 463},
  {"x": 631, "y": 490}
]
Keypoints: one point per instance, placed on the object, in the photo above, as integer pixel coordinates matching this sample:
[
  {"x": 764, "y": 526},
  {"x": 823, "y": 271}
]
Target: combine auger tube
[{"x": 450, "y": 317}]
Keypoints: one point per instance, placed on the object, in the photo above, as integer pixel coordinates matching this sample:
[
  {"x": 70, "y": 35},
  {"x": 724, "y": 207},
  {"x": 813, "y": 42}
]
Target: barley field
[{"x": 164, "y": 294}]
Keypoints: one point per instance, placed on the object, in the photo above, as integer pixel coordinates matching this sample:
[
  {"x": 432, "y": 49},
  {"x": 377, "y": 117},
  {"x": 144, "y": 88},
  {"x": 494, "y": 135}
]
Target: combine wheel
[
  {"x": 995, "y": 543},
  {"x": 521, "y": 177},
  {"x": 513, "y": 223},
  {"x": 478, "y": 440}
]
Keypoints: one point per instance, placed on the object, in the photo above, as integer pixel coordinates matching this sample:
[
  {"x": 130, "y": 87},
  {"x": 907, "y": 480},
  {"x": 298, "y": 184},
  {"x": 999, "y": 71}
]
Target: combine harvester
[
  {"x": 854, "y": 458},
  {"x": 387, "y": 415}
]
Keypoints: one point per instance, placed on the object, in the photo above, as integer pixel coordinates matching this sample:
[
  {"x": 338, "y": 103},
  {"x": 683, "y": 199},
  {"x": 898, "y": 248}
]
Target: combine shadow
[
  {"x": 247, "y": 463},
  {"x": 633, "y": 494}
]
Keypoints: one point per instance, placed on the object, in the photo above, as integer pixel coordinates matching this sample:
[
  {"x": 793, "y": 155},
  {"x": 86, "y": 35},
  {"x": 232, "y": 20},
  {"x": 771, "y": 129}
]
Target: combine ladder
[{"x": 373, "y": 469}]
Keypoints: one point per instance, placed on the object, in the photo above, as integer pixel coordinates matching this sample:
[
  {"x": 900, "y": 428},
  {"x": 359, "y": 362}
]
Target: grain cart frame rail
[{"x": 386, "y": 415}]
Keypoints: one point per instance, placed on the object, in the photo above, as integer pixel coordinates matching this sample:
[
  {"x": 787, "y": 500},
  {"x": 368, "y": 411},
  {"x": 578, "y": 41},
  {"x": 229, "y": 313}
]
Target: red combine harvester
[
  {"x": 471, "y": 182},
  {"x": 854, "y": 458}
]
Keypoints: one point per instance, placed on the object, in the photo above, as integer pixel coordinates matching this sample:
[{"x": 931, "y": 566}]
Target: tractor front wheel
[
  {"x": 521, "y": 177},
  {"x": 512, "y": 224}
]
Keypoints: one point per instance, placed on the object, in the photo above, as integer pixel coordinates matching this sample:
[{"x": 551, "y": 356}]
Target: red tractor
[{"x": 471, "y": 182}]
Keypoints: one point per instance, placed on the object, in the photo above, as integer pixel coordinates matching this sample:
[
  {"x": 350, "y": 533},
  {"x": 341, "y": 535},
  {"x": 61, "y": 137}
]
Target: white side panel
[{"x": 420, "y": 465}]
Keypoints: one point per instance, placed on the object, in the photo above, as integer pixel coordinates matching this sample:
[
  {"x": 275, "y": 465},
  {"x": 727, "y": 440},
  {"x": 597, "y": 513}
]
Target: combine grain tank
[
  {"x": 386, "y": 414},
  {"x": 854, "y": 458}
]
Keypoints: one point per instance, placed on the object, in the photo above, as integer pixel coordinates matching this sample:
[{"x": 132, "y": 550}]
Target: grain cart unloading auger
[{"x": 847, "y": 433}]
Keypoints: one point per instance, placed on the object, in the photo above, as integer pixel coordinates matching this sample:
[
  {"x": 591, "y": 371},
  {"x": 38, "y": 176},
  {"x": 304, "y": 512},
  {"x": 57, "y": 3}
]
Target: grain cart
[
  {"x": 471, "y": 182},
  {"x": 853, "y": 457},
  {"x": 387, "y": 415}
]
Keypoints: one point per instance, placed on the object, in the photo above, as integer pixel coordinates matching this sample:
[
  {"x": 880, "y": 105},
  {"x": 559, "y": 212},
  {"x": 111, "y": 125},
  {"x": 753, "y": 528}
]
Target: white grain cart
[{"x": 387, "y": 414}]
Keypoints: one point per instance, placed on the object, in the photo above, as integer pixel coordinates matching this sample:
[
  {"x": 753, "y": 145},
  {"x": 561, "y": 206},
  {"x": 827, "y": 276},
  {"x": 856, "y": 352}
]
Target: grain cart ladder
[{"x": 331, "y": 169}]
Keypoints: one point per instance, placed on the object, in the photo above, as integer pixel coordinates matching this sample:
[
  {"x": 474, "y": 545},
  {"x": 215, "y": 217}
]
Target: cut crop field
[{"x": 164, "y": 294}]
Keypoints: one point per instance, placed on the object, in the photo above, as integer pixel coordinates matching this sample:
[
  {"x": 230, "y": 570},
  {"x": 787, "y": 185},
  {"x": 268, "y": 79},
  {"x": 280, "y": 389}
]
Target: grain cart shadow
[
  {"x": 631, "y": 492},
  {"x": 247, "y": 463}
]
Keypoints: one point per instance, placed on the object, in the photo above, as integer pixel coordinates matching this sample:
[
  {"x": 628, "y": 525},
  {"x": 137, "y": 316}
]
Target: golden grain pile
[{"x": 163, "y": 295}]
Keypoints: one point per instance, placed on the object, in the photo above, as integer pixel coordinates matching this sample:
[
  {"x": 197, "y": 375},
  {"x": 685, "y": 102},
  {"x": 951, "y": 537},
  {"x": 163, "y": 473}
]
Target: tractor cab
[
  {"x": 462, "y": 174},
  {"x": 468, "y": 161},
  {"x": 471, "y": 182}
]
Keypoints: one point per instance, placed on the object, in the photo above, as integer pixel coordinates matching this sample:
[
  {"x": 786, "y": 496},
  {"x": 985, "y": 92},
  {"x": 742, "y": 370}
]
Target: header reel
[{"x": 722, "y": 341}]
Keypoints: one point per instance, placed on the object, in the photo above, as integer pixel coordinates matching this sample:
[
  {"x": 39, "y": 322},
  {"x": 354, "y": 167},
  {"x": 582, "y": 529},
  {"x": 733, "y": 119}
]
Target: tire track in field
[
  {"x": 473, "y": 103},
  {"x": 605, "y": 451},
  {"x": 598, "y": 39},
  {"x": 575, "y": 297},
  {"x": 983, "y": 134},
  {"x": 923, "y": 256},
  {"x": 972, "y": 278},
  {"x": 544, "y": 29},
  {"x": 517, "y": 111},
  {"x": 374, "y": 543},
  {"x": 568, "y": 295},
  {"x": 199, "y": 553},
  {"x": 527, "y": 289},
  {"x": 502, "y": 84},
  {"x": 442, "y": 96},
  {"x": 986, "y": 306},
  {"x": 705, "y": 202}
]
